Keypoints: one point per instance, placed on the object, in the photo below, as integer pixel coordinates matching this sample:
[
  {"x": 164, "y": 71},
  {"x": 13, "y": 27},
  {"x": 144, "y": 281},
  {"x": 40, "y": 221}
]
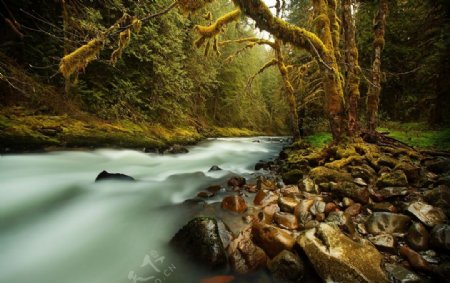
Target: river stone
[
  {"x": 418, "y": 237},
  {"x": 272, "y": 239},
  {"x": 351, "y": 190},
  {"x": 200, "y": 241},
  {"x": 428, "y": 214},
  {"x": 354, "y": 209},
  {"x": 389, "y": 192},
  {"x": 287, "y": 267},
  {"x": 244, "y": 255},
  {"x": 386, "y": 222},
  {"x": 287, "y": 204},
  {"x": 264, "y": 198},
  {"x": 302, "y": 212},
  {"x": 384, "y": 242},
  {"x": 395, "y": 178},
  {"x": 285, "y": 220},
  {"x": 290, "y": 191},
  {"x": 236, "y": 181},
  {"x": 383, "y": 206},
  {"x": 266, "y": 215},
  {"x": 414, "y": 258},
  {"x": 264, "y": 183},
  {"x": 337, "y": 258},
  {"x": 309, "y": 186},
  {"x": 360, "y": 181},
  {"x": 399, "y": 274},
  {"x": 234, "y": 203},
  {"x": 343, "y": 221},
  {"x": 439, "y": 196},
  {"x": 440, "y": 237},
  {"x": 106, "y": 176},
  {"x": 318, "y": 207}
]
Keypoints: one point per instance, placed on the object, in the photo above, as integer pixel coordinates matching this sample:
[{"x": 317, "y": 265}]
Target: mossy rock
[
  {"x": 395, "y": 178},
  {"x": 292, "y": 177},
  {"x": 350, "y": 190},
  {"x": 323, "y": 174}
]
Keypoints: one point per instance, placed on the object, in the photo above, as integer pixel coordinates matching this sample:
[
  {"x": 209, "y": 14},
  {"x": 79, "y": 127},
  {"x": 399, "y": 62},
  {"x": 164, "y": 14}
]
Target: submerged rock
[
  {"x": 234, "y": 203},
  {"x": 175, "y": 149},
  {"x": 287, "y": 267},
  {"x": 337, "y": 258},
  {"x": 200, "y": 240},
  {"x": 105, "y": 176},
  {"x": 428, "y": 214},
  {"x": 386, "y": 222}
]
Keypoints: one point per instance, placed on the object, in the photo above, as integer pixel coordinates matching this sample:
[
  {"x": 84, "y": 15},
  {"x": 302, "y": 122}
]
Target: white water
[{"x": 57, "y": 225}]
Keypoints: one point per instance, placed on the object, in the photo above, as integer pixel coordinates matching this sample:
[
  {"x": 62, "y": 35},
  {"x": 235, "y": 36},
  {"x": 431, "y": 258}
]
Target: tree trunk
[
  {"x": 373, "y": 96},
  {"x": 351, "y": 66}
]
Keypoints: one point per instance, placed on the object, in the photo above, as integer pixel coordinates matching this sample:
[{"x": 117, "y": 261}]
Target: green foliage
[{"x": 319, "y": 139}]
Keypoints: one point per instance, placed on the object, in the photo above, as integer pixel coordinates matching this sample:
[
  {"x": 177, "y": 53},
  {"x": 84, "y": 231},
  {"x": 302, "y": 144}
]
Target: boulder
[
  {"x": 244, "y": 255},
  {"x": 105, "y": 176},
  {"x": 439, "y": 196},
  {"x": 395, "y": 178},
  {"x": 287, "y": 267},
  {"x": 273, "y": 240},
  {"x": 234, "y": 203},
  {"x": 428, "y": 214},
  {"x": 411, "y": 171},
  {"x": 386, "y": 222},
  {"x": 440, "y": 237},
  {"x": 337, "y": 258},
  {"x": 418, "y": 237},
  {"x": 290, "y": 191},
  {"x": 264, "y": 183},
  {"x": 323, "y": 174},
  {"x": 200, "y": 241}
]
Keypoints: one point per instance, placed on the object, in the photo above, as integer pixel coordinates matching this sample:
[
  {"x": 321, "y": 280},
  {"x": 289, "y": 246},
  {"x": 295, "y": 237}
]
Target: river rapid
[{"x": 58, "y": 225}]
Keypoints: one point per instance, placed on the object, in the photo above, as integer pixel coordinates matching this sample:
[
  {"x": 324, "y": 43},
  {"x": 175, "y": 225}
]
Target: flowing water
[{"x": 57, "y": 225}]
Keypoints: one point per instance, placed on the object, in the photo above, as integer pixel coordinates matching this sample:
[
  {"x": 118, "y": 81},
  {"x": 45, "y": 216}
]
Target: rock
[
  {"x": 439, "y": 165},
  {"x": 273, "y": 240},
  {"x": 287, "y": 204},
  {"x": 336, "y": 258},
  {"x": 414, "y": 258},
  {"x": 285, "y": 220},
  {"x": 234, "y": 203},
  {"x": 440, "y": 237},
  {"x": 399, "y": 274},
  {"x": 309, "y": 186},
  {"x": 347, "y": 201},
  {"x": 364, "y": 172},
  {"x": 443, "y": 270},
  {"x": 302, "y": 212},
  {"x": 429, "y": 215},
  {"x": 323, "y": 174},
  {"x": 244, "y": 255},
  {"x": 360, "y": 181},
  {"x": 383, "y": 207},
  {"x": 205, "y": 194},
  {"x": 389, "y": 192},
  {"x": 417, "y": 237},
  {"x": 395, "y": 178},
  {"x": 236, "y": 182},
  {"x": 351, "y": 190},
  {"x": 105, "y": 176},
  {"x": 330, "y": 207},
  {"x": 264, "y": 198},
  {"x": 384, "y": 242},
  {"x": 386, "y": 161},
  {"x": 214, "y": 168},
  {"x": 263, "y": 165},
  {"x": 214, "y": 188},
  {"x": 444, "y": 180},
  {"x": 343, "y": 221},
  {"x": 200, "y": 241},
  {"x": 386, "y": 222},
  {"x": 290, "y": 191},
  {"x": 264, "y": 183},
  {"x": 318, "y": 207},
  {"x": 266, "y": 215},
  {"x": 411, "y": 171},
  {"x": 292, "y": 177},
  {"x": 287, "y": 267},
  {"x": 354, "y": 209},
  {"x": 175, "y": 149},
  {"x": 439, "y": 197}
]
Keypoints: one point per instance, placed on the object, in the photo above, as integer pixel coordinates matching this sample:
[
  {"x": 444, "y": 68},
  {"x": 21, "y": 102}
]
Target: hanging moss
[
  {"x": 80, "y": 58},
  {"x": 124, "y": 39},
  {"x": 188, "y": 6}
]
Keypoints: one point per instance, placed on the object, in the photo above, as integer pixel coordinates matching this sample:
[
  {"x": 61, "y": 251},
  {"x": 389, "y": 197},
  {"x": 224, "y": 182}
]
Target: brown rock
[
  {"x": 287, "y": 267},
  {"x": 236, "y": 181},
  {"x": 302, "y": 212},
  {"x": 214, "y": 188},
  {"x": 266, "y": 215},
  {"x": 385, "y": 222},
  {"x": 429, "y": 215},
  {"x": 287, "y": 204},
  {"x": 285, "y": 220},
  {"x": 244, "y": 255},
  {"x": 264, "y": 198},
  {"x": 272, "y": 239},
  {"x": 234, "y": 203},
  {"x": 290, "y": 191},
  {"x": 414, "y": 258},
  {"x": 331, "y": 206},
  {"x": 205, "y": 194},
  {"x": 265, "y": 184},
  {"x": 354, "y": 209},
  {"x": 383, "y": 207},
  {"x": 418, "y": 237},
  {"x": 384, "y": 242}
]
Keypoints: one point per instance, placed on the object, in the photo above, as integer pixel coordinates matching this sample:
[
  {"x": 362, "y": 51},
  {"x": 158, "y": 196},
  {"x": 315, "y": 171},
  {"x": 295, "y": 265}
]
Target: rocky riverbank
[{"x": 359, "y": 212}]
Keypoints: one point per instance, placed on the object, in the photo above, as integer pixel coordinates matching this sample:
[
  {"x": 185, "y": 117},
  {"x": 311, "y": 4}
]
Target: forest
[{"x": 285, "y": 140}]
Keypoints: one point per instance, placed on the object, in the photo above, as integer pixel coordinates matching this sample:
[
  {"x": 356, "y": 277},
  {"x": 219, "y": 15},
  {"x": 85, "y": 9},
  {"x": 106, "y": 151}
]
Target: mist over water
[{"x": 57, "y": 225}]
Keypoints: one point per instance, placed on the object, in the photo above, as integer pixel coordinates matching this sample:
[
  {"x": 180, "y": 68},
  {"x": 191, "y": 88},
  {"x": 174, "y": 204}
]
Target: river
[{"x": 58, "y": 225}]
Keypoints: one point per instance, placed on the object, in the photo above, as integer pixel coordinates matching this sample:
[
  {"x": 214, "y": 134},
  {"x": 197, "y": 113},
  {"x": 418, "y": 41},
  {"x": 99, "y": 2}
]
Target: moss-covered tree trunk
[
  {"x": 351, "y": 66},
  {"x": 373, "y": 96}
]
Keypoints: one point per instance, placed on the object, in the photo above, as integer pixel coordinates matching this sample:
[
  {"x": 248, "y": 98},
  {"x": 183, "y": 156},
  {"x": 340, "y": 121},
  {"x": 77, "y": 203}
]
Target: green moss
[{"x": 319, "y": 140}]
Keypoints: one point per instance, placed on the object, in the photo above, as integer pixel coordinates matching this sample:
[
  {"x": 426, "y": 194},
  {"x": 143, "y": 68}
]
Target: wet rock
[
  {"x": 354, "y": 209},
  {"x": 290, "y": 191},
  {"x": 292, "y": 177},
  {"x": 309, "y": 186},
  {"x": 234, "y": 203},
  {"x": 337, "y": 258},
  {"x": 273, "y": 240},
  {"x": 383, "y": 207},
  {"x": 200, "y": 241},
  {"x": 364, "y": 172},
  {"x": 287, "y": 204},
  {"x": 287, "y": 267},
  {"x": 214, "y": 188},
  {"x": 264, "y": 198},
  {"x": 386, "y": 222},
  {"x": 323, "y": 174},
  {"x": 360, "y": 181},
  {"x": 105, "y": 176},
  {"x": 414, "y": 258},
  {"x": 244, "y": 255},
  {"x": 266, "y": 215},
  {"x": 351, "y": 190},
  {"x": 417, "y": 237},
  {"x": 214, "y": 168},
  {"x": 175, "y": 149},
  {"x": 302, "y": 212},
  {"x": 205, "y": 194},
  {"x": 399, "y": 274},
  {"x": 396, "y": 178},
  {"x": 264, "y": 183},
  {"x": 439, "y": 165},
  {"x": 429, "y": 215},
  {"x": 285, "y": 220},
  {"x": 440, "y": 237},
  {"x": 343, "y": 221},
  {"x": 236, "y": 181},
  {"x": 384, "y": 242},
  {"x": 389, "y": 192},
  {"x": 318, "y": 207}
]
